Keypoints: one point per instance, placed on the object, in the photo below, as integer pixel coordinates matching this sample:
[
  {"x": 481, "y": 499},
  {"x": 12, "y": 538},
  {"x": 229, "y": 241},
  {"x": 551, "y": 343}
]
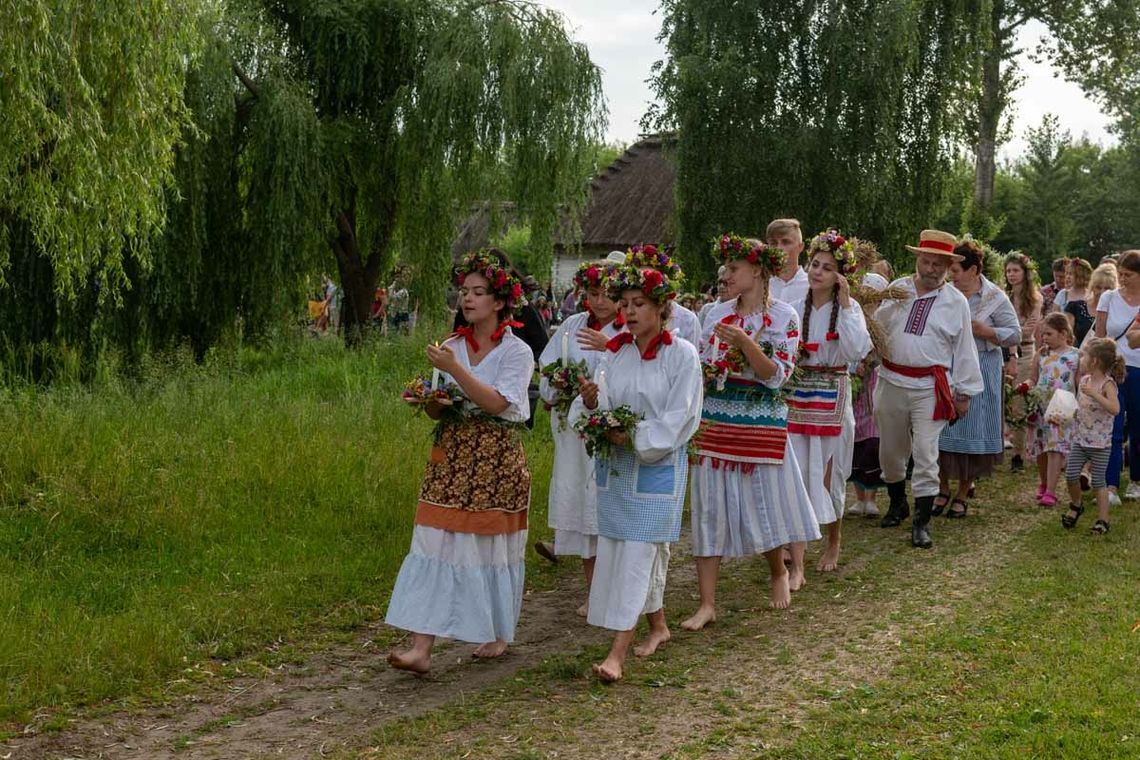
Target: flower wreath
[
  {"x": 594, "y": 274},
  {"x": 504, "y": 285},
  {"x": 731, "y": 247},
  {"x": 844, "y": 250},
  {"x": 651, "y": 282},
  {"x": 649, "y": 257}
]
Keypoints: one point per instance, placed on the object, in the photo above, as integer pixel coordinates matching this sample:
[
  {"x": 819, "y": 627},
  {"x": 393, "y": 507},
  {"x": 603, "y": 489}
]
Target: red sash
[{"x": 943, "y": 399}]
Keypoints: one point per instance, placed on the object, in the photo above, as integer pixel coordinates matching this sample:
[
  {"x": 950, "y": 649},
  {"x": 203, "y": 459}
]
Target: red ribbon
[
  {"x": 594, "y": 323},
  {"x": 943, "y": 399},
  {"x": 832, "y": 336},
  {"x": 663, "y": 338},
  {"x": 502, "y": 328},
  {"x": 467, "y": 332},
  {"x": 811, "y": 348}
]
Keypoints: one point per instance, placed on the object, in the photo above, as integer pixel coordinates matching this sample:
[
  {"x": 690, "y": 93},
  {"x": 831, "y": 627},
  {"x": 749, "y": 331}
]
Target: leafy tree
[
  {"x": 1094, "y": 42},
  {"x": 91, "y": 106},
  {"x": 836, "y": 112}
]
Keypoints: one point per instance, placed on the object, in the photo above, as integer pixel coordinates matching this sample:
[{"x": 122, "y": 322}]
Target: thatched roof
[{"x": 631, "y": 201}]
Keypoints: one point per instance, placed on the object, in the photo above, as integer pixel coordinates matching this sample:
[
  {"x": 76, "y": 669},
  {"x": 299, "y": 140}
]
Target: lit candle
[
  {"x": 565, "y": 348},
  {"x": 434, "y": 379},
  {"x": 603, "y": 396}
]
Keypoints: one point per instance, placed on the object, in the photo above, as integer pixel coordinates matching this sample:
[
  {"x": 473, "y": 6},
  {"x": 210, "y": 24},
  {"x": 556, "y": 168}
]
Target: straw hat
[{"x": 936, "y": 242}]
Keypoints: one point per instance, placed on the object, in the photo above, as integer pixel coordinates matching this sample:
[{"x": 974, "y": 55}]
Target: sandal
[
  {"x": 1069, "y": 519},
  {"x": 1100, "y": 527},
  {"x": 957, "y": 514},
  {"x": 937, "y": 508}
]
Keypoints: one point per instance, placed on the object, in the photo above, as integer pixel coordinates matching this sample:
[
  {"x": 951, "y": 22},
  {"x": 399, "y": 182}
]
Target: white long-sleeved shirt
[
  {"x": 932, "y": 330},
  {"x": 667, "y": 391},
  {"x": 854, "y": 341},
  {"x": 568, "y": 332},
  {"x": 793, "y": 291},
  {"x": 685, "y": 324}
]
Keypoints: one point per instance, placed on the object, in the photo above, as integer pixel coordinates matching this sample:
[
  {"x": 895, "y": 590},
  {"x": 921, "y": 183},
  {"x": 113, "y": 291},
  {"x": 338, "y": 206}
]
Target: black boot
[
  {"x": 1017, "y": 464},
  {"x": 919, "y": 536},
  {"x": 899, "y": 509}
]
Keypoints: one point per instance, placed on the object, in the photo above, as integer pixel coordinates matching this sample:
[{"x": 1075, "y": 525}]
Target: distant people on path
[{"x": 1049, "y": 292}]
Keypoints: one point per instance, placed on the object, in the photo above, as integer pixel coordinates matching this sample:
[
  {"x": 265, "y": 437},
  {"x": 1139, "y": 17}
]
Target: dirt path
[{"x": 753, "y": 662}]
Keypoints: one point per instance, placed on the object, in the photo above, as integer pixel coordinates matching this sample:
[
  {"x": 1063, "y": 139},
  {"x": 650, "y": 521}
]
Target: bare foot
[
  {"x": 796, "y": 579},
  {"x": 410, "y": 661},
  {"x": 781, "y": 594},
  {"x": 583, "y": 610},
  {"x": 654, "y": 640},
  {"x": 608, "y": 671},
  {"x": 787, "y": 556},
  {"x": 490, "y": 649},
  {"x": 829, "y": 561},
  {"x": 702, "y": 617}
]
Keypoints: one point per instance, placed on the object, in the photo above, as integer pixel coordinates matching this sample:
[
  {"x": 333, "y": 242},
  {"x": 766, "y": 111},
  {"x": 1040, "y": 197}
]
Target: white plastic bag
[{"x": 1062, "y": 407}]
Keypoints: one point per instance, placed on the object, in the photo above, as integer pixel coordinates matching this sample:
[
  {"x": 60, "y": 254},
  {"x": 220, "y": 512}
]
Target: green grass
[{"x": 204, "y": 513}]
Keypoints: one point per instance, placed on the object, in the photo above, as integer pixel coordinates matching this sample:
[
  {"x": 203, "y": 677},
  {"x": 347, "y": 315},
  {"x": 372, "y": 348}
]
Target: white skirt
[
  {"x": 573, "y": 500},
  {"x": 813, "y": 453},
  {"x": 571, "y": 543},
  {"x": 629, "y": 581},
  {"x": 463, "y": 586},
  {"x": 738, "y": 515}
]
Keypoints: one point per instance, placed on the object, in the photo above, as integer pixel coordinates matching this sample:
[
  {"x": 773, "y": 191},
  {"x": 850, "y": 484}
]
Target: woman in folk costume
[
  {"x": 969, "y": 449},
  {"x": 463, "y": 577},
  {"x": 747, "y": 496},
  {"x": 641, "y": 483},
  {"x": 821, "y": 421},
  {"x": 683, "y": 323},
  {"x": 579, "y": 342}
]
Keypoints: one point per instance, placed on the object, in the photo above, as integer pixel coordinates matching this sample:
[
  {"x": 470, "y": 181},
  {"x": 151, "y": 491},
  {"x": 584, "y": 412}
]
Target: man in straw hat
[{"x": 927, "y": 381}]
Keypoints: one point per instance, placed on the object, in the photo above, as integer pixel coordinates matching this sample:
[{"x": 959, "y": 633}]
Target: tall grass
[{"x": 202, "y": 511}]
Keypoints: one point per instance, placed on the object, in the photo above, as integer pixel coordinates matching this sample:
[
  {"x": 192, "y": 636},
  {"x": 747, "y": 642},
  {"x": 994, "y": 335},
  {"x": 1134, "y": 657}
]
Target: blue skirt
[{"x": 980, "y": 431}]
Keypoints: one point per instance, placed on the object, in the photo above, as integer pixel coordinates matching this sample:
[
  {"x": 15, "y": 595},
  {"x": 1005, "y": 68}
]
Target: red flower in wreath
[
  {"x": 651, "y": 279},
  {"x": 1023, "y": 389},
  {"x": 516, "y": 291}
]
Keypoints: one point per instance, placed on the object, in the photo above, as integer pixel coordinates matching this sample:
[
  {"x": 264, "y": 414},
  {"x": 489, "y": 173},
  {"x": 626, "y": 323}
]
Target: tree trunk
[
  {"x": 358, "y": 278},
  {"x": 990, "y": 105}
]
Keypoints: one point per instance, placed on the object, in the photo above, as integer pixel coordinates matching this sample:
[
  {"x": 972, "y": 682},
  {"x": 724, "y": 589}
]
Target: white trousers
[{"x": 907, "y": 429}]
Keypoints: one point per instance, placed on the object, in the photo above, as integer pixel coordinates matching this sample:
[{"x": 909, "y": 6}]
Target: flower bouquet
[
  {"x": 1022, "y": 404},
  {"x": 564, "y": 379},
  {"x": 419, "y": 391},
  {"x": 716, "y": 372},
  {"x": 594, "y": 426}
]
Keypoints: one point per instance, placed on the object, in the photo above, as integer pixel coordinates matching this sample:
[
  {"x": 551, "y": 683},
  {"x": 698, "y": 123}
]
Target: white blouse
[
  {"x": 854, "y": 341},
  {"x": 782, "y": 334},
  {"x": 667, "y": 390},
  {"x": 568, "y": 332},
  {"x": 1119, "y": 319},
  {"x": 685, "y": 324},
  {"x": 790, "y": 291},
  {"x": 508, "y": 368}
]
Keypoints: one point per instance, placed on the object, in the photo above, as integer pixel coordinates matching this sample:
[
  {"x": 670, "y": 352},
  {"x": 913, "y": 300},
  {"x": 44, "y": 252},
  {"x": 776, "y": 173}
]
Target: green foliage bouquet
[{"x": 564, "y": 380}]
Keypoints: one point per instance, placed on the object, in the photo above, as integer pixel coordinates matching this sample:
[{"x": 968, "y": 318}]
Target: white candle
[
  {"x": 565, "y": 348},
  {"x": 434, "y": 379},
  {"x": 603, "y": 396}
]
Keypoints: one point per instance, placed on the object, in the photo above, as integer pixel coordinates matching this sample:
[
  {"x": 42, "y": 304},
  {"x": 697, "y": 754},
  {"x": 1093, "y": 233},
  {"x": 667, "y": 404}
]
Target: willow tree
[
  {"x": 404, "y": 112},
  {"x": 91, "y": 108},
  {"x": 834, "y": 112}
]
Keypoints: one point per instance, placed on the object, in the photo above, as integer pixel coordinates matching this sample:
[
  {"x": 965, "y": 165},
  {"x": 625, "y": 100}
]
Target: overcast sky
[{"x": 622, "y": 38}]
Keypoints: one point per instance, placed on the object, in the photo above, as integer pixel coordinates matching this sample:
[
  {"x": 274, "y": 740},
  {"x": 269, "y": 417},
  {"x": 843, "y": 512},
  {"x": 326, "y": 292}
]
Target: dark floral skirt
[{"x": 477, "y": 479}]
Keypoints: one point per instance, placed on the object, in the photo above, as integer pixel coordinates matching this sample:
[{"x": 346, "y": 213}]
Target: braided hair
[{"x": 805, "y": 331}]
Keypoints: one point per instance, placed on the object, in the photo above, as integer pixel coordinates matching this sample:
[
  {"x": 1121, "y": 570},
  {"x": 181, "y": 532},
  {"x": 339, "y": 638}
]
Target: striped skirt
[{"x": 980, "y": 431}]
